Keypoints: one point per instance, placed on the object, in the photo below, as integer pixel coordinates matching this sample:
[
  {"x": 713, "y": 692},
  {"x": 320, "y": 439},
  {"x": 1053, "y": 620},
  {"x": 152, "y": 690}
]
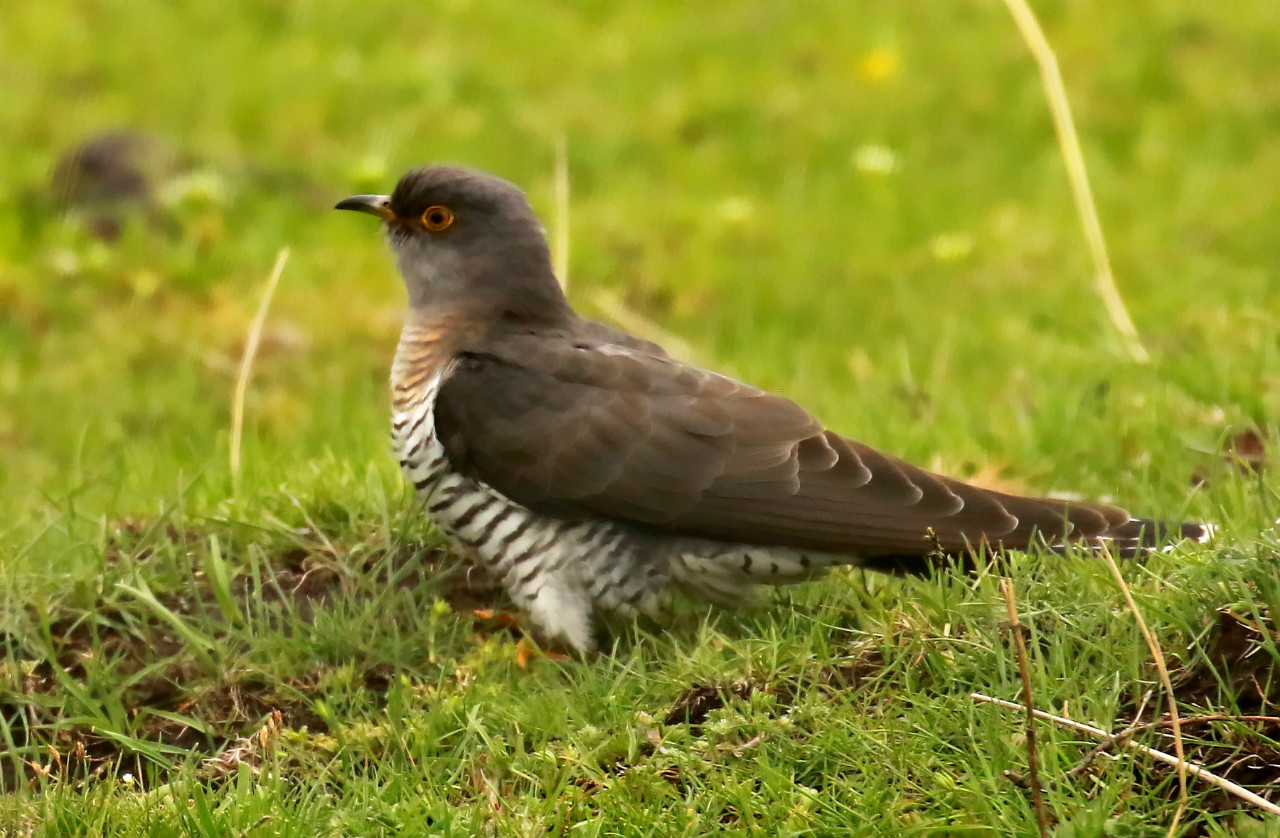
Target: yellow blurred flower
[
  {"x": 879, "y": 65},
  {"x": 369, "y": 171},
  {"x": 861, "y": 366}
]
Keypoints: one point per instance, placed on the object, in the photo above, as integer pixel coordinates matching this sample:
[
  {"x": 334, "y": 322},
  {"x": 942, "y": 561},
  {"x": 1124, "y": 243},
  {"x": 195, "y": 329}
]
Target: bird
[{"x": 593, "y": 474}]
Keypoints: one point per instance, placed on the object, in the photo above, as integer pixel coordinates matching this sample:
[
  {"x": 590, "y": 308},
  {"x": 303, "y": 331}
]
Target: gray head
[{"x": 468, "y": 240}]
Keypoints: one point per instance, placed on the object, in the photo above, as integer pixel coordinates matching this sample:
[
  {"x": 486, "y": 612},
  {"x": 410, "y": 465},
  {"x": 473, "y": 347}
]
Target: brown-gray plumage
[{"x": 588, "y": 468}]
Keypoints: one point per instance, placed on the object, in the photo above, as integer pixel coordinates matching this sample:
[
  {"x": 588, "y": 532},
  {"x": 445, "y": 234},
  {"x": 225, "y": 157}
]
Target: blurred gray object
[{"x": 110, "y": 176}]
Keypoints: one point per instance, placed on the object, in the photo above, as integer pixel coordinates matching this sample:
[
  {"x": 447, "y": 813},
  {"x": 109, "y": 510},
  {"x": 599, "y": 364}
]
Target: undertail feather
[{"x": 1139, "y": 536}]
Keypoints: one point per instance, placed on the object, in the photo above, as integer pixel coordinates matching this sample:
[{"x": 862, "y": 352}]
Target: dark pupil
[{"x": 436, "y": 218}]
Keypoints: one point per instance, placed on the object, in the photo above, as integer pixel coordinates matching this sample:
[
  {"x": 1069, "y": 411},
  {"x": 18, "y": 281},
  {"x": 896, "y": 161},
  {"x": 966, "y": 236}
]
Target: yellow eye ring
[{"x": 437, "y": 218}]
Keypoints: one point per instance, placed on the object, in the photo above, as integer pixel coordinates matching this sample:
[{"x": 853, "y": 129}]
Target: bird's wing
[{"x": 579, "y": 427}]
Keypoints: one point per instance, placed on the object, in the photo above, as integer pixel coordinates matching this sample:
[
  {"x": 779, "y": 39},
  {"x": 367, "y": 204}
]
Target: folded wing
[{"x": 586, "y": 428}]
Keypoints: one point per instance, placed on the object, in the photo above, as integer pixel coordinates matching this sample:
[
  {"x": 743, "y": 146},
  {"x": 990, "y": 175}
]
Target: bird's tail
[
  {"x": 1133, "y": 538},
  {"x": 1139, "y": 536}
]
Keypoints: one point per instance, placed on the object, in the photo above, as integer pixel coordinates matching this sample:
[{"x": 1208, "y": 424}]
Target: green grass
[{"x": 725, "y": 185}]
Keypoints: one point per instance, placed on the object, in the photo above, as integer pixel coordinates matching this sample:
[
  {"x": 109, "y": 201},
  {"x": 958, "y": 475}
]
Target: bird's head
[{"x": 464, "y": 236}]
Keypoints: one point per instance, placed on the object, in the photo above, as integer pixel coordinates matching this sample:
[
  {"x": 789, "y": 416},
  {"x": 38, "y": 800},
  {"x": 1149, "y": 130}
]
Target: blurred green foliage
[{"x": 859, "y": 204}]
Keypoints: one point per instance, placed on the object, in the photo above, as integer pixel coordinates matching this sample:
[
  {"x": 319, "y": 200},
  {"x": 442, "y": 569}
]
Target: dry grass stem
[
  {"x": 1158, "y": 655},
  {"x": 1069, "y": 141},
  {"x": 561, "y": 257},
  {"x": 246, "y": 361},
  {"x": 1110, "y": 742},
  {"x": 1033, "y": 761},
  {"x": 1141, "y": 727},
  {"x": 1192, "y": 768},
  {"x": 1206, "y": 719}
]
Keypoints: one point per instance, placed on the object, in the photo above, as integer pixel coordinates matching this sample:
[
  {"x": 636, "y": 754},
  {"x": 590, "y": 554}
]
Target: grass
[{"x": 860, "y": 205}]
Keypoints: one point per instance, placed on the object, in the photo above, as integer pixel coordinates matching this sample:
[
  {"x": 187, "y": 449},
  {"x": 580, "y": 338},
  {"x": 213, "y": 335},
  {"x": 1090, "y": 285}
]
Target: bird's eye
[{"x": 437, "y": 218}]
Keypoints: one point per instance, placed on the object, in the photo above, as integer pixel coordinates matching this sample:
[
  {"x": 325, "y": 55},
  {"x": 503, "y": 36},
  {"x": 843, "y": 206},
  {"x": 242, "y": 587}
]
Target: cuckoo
[{"x": 593, "y": 473}]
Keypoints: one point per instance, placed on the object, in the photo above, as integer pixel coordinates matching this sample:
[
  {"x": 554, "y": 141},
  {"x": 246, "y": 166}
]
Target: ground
[{"x": 860, "y": 205}]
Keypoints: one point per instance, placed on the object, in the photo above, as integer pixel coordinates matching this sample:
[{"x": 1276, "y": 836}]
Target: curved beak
[{"x": 379, "y": 205}]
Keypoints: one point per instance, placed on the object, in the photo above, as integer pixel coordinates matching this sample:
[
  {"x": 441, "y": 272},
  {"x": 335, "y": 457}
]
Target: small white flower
[
  {"x": 64, "y": 262},
  {"x": 951, "y": 247},
  {"x": 876, "y": 160},
  {"x": 736, "y": 209},
  {"x": 198, "y": 188}
]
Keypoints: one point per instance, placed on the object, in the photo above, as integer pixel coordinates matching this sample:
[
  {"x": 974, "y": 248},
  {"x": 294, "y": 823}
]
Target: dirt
[
  {"x": 1244, "y": 451},
  {"x": 160, "y": 675},
  {"x": 1237, "y": 676},
  {"x": 699, "y": 701}
]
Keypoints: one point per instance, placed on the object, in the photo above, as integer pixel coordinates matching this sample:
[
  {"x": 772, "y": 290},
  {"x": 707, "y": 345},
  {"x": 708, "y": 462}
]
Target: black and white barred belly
[
  {"x": 560, "y": 571},
  {"x": 556, "y": 570}
]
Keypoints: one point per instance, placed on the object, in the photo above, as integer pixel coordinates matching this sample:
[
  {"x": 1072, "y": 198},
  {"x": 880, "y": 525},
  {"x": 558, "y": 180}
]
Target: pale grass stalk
[
  {"x": 1069, "y": 141},
  {"x": 246, "y": 361},
  {"x": 1111, "y": 741},
  {"x": 636, "y": 323},
  {"x": 561, "y": 258},
  {"x": 1158, "y": 655},
  {"x": 1024, "y": 669},
  {"x": 1192, "y": 768}
]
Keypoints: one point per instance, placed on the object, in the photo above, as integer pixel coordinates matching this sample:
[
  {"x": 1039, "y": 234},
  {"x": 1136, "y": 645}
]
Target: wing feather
[{"x": 588, "y": 427}]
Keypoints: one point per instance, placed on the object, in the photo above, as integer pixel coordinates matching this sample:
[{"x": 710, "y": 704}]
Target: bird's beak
[{"x": 379, "y": 205}]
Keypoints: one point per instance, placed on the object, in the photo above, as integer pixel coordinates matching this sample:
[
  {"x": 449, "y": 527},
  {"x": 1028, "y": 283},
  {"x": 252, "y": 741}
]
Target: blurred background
[{"x": 859, "y": 204}]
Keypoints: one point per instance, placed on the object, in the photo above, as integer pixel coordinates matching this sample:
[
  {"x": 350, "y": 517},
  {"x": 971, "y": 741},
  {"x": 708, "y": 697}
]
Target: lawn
[{"x": 861, "y": 205}]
